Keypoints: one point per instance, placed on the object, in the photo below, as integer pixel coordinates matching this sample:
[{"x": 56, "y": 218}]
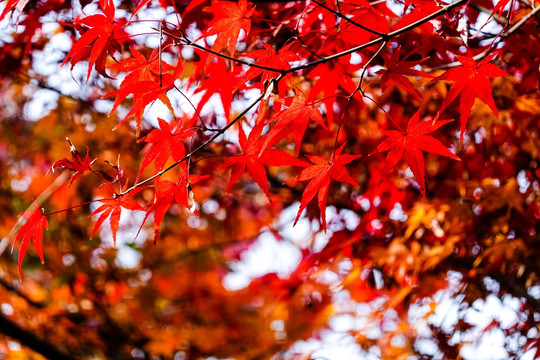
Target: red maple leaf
[
  {"x": 103, "y": 32},
  {"x": 167, "y": 192},
  {"x": 333, "y": 78},
  {"x": 145, "y": 82},
  {"x": 14, "y": 5},
  {"x": 410, "y": 144},
  {"x": 78, "y": 165},
  {"x": 32, "y": 230},
  {"x": 217, "y": 79},
  {"x": 271, "y": 58},
  {"x": 113, "y": 208},
  {"x": 166, "y": 142},
  {"x": 294, "y": 120},
  {"x": 230, "y": 18},
  {"x": 320, "y": 174},
  {"x": 253, "y": 159},
  {"x": 472, "y": 80},
  {"x": 396, "y": 72},
  {"x": 498, "y": 9},
  {"x": 139, "y": 69},
  {"x": 348, "y": 34}
]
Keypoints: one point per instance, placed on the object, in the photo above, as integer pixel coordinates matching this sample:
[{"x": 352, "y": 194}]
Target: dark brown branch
[
  {"x": 380, "y": 39},
  {"x": 26, "y": 338},
  {"x": 11, "y": 288},
  {"x": 359, "y": 87}
]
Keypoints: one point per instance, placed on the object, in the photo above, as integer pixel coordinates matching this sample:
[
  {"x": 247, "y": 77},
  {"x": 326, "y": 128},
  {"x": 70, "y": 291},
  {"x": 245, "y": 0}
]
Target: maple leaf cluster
[
  {"x": 150, "y": 79},
  {"x": 229, "y": 113}
]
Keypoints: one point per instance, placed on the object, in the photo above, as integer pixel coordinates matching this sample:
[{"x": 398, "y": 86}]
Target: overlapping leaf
[
  {"x": 113, "y": 208},
  {"x": 78, "y": 166},
  {"x": 271, "y": 58},
  {"x": 396, "y": 73},
  {"x": 31, "y": 231},
  {"x": 253, "y": 159},
  {"x": 166, "y": 192},
  {"x": 472, "y": 81},
  {"x": 321, "y": 173},
  {"x": 332, "y": 78},
  {"x": 166, "y": 142},
  {"x": 230, "y": 18},
  {"x": 146, "y": 81},
  {"x": 294, "y": 120},
  {"x": 99, "y": 37},
  {"x": 410, "y": 144},
  {"x": 217, "y": 79}
]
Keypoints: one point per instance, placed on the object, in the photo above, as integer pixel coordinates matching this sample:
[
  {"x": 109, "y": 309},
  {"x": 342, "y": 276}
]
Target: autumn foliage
[{"x": 269, "y": 179}]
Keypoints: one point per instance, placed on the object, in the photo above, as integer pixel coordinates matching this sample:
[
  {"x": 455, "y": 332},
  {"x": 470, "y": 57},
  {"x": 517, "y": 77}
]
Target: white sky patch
[
  {"x": 43, "y": 101},
  {"x": 266, "y": 255}
]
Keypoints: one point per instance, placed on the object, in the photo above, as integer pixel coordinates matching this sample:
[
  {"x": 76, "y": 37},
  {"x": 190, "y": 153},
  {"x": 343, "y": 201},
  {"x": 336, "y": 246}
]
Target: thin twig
[
  {"x": 186, "y": 41},
  {"x": 503, "y": 35},
  {"x": 522, "y": 21},
  {"x": 359, "y": 87},
  {"x": 349, "y": 20},
  {"x": 159, "y": 54}
]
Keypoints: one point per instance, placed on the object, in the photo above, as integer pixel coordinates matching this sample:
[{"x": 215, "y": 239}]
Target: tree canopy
[{"x": 269, "y": 180}]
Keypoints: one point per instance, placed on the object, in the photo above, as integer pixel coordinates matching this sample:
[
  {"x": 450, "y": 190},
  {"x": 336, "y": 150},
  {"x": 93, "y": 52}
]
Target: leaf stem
[{"x": 77, "y": 206}]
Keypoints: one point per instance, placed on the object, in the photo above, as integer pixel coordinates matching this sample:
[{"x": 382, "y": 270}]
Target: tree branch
[
  {"x": 505, "y": 34},
  {"x": 26, "y": 338},
  {"x": 203, "y": 145},
  {"x": 185, "y": 41},
  {"x": 351, "y": 21},
  {"x": 380, "y": 39},
  {"x": 11, "y": 288}
]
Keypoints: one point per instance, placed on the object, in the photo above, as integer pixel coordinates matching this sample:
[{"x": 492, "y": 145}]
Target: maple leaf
[
  {"x": 167, "y": 192},
  {"x": 166, "y": 142},
  {"x": 349, "y": 34},
  {"x": 14, "y": 5},
  {"x": 271, "y": 58},
  {"x": 78, "y": 165},
  {"x": 410, "y": 144},
  {"x": 254, "y": 157},
  {"x": 102, "y": 31},
  {"x": 230, "y": 18},
  {"x": 113, "y": 208},
  {"x": 32, "y": 230},
  {"x": 321, "y": 173},
  {"x": 499, "y": 8},
  {"x": 293, "y": 119},
  {"x": 145, "y": 82},
  {"x": 332, "y": 77},
  {"x": 397, "y": 71},
  {"x": 218, "y": 80},
  {"x": 472, "y": 80}
]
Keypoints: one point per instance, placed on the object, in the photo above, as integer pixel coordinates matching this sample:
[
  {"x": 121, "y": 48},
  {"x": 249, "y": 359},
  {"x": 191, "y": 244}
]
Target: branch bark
[{"x": 26, "y": 338}]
